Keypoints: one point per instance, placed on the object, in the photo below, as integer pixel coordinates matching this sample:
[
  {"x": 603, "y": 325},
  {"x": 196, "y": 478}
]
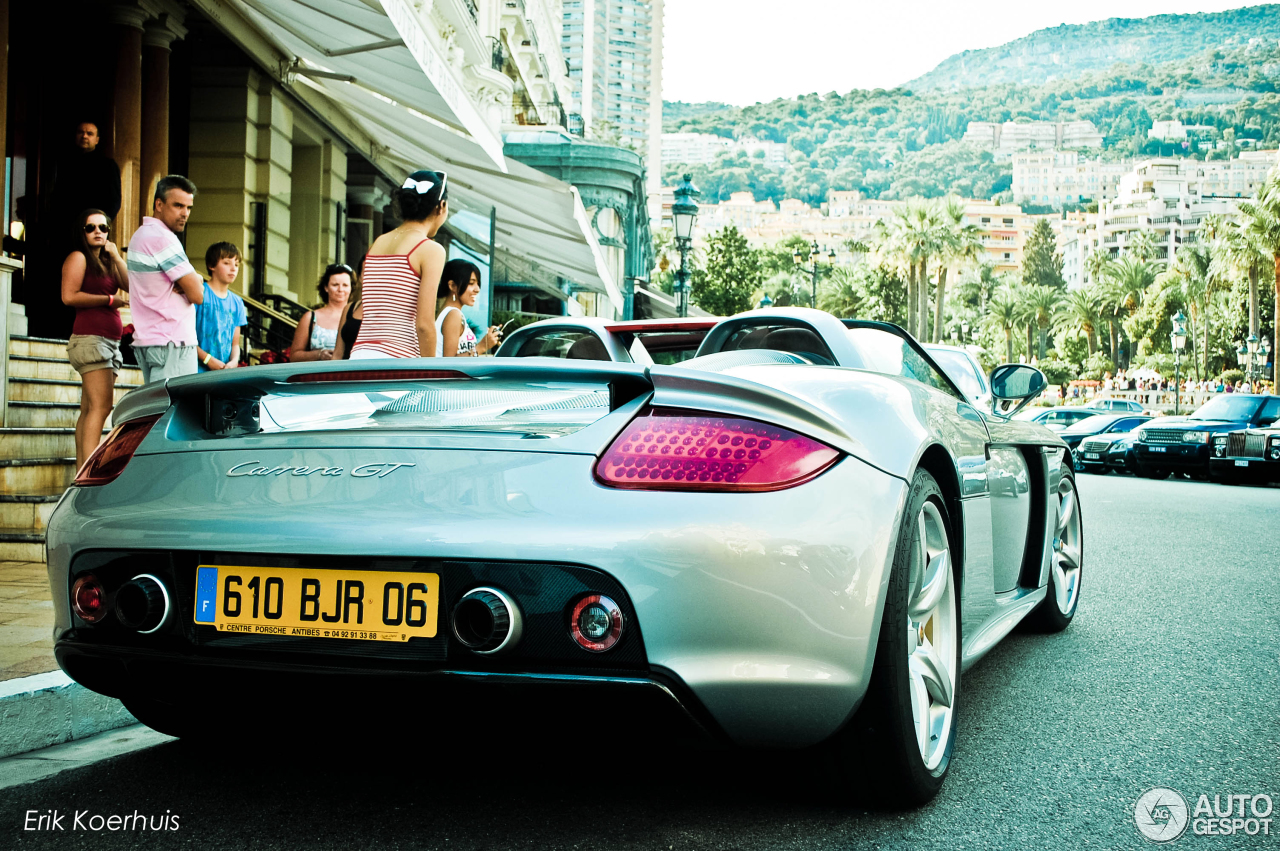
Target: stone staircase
[{"x": 37, "y": 446}]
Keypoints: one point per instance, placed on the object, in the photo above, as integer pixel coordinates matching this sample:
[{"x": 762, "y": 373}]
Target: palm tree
[
  {"x": 910, "y": 243},
  {"x": 1003, "y": 313},
  {"x": 1142, "y": 245},
  {"x": 1095, "y": 265},
  {"x": 1081, "y": 312},
  {"x": 1044, "y": 303},
  {"x": 1127, "y": 281},
  {"x": 1261, "y": 223},
  {"x": 1190, "y": 273},
  {"x": 1243, "y": 253},
  {"x": 840, "y": 295},
  {"x": 1024, "y": 298},
  {"x": 956, "y": 241}
]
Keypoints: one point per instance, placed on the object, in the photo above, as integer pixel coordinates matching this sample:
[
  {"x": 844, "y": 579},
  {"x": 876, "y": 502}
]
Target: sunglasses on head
[
  {"x": 92, "y": 226},
  {"x": 337, "y": 268}
]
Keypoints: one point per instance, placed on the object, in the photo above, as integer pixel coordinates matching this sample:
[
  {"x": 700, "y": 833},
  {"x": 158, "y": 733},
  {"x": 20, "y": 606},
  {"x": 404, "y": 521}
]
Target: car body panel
[{"x": 760, "y": 610}]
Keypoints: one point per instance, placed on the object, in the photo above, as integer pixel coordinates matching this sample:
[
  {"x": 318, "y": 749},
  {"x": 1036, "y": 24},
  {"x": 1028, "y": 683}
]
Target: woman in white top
[
  {"x": 454, "y": 336},
  {"x": 317, "y": 332}
]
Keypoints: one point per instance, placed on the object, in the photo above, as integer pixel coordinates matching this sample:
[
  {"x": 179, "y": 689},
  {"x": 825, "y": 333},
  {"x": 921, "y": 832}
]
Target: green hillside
[
  {"x": 901, "y": 142},
  {"x": 1068, "y": 51}
]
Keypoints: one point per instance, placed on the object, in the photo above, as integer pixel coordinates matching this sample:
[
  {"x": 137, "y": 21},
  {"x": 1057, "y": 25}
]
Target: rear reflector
[
  {"x": 668, "y": 449},
  {"x": 108, "y": 460},
  {"x": 377, "y": 375}
]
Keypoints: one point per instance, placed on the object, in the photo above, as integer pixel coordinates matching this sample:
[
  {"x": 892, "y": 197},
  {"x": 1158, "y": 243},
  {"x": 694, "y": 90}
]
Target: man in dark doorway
[{"x": 85, "y": 179}]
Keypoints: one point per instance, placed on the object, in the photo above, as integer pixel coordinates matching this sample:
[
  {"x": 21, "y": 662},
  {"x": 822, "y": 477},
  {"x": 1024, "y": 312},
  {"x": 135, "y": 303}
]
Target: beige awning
[
  {"x": 539, "y": 217},
  {"x": 379, "y": 44}
]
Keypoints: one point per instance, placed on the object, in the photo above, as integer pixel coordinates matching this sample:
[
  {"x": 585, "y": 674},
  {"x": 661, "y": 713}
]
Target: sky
[{"x": 743, "y": 51}]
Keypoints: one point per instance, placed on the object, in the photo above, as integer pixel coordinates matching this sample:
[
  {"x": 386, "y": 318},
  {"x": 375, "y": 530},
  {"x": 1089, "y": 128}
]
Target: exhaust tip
[
  {"x": 142, "y": 604},
  {"x": 487, "y": 621}
]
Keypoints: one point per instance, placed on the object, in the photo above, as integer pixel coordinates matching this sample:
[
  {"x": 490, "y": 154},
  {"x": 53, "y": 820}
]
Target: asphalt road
[{"x": 1170, "y": 676}]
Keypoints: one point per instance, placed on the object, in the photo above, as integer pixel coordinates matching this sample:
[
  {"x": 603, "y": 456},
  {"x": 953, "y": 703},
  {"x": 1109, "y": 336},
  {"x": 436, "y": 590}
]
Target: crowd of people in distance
[
  {"x": 185, "y": 322},
  {"x": 1190, "y": 385}
]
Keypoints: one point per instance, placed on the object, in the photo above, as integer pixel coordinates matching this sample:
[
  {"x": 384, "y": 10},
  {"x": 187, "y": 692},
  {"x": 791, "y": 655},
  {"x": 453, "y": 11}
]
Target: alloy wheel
[
  {"x": 1067, "y": 548},
  {"x": 932, "y": 633}
]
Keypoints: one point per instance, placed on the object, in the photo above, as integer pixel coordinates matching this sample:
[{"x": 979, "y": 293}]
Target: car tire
[
  {"x": 883, "y": 753},
  {"x": 1066, "y": 566},
  {"x": 1153, "y": 472}
]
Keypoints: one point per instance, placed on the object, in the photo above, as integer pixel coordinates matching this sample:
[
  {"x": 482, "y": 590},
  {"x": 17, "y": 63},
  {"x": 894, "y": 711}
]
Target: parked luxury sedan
[
  {"x": 1090, "y": 437},
  {"x": 1057, "y": 419},
  {"x": 1115, "y": 405},
  {"x": 1250, "y": 455},
  {"x": 1181, "y": 444},
  {"x": 800, "y": 538}
]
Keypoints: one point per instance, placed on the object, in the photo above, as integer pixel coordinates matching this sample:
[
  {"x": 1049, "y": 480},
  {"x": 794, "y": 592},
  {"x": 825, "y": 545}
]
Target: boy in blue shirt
[{"x": 221, "y": 315}]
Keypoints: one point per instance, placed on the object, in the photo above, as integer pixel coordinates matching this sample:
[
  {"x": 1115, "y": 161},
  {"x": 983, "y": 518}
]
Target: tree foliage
[{"x": 725, "y": 284}]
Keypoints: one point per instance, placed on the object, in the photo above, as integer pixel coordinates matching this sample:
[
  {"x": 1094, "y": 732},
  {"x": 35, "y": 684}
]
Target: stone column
[
  {"x": 156, "y": 39},
  {"x": 126, "y": 115}
]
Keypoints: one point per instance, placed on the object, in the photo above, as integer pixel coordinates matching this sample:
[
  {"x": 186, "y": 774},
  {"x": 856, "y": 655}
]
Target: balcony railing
[
  {"x": 499, "y": 59},
  {"x": 474, "y": 10}
]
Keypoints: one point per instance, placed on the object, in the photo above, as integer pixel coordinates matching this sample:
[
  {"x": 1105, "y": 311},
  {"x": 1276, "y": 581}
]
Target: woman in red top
[
  {"x": 95, "y": 281},
  {"x": 402, "y": 274}
]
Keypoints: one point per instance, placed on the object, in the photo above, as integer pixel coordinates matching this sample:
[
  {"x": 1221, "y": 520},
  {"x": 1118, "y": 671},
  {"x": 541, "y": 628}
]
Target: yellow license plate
[{"x": 300, "y": 602}]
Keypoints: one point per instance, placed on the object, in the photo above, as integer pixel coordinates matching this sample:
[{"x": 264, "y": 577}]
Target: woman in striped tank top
[{"x": 402, "y": 274}]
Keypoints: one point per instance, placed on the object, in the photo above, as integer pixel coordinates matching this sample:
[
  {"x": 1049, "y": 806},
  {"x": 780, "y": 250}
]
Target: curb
[{"x": 49, "y": 709}]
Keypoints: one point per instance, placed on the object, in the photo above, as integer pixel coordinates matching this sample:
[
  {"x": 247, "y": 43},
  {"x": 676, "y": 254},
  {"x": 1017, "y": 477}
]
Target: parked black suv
[{"x": 1182, "y": 444}]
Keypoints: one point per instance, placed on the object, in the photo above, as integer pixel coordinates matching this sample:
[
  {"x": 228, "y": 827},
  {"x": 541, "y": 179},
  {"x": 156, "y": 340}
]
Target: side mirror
[{"x": 1013, "y": 385}]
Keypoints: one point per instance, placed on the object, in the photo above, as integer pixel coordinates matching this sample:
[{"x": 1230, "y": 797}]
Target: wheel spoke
[
  {"x": 1066, "y": 510},
  {"x": 1070, "y": 557},
  {"x": 933, "y": 672},
  {"x": 919, "y": 558},
  {"x": 1063, "y": 589},
  {"x": 920, "y": 712},
  {"x": 935, "y": 585}
]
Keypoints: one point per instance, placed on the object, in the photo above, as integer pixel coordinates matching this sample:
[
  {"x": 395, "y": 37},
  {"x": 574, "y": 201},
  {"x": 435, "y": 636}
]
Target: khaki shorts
[{"x": 88, "y": 352}]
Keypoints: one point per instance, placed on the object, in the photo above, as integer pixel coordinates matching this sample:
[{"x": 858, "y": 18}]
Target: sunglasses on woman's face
[{"x": 92, "y": 226}]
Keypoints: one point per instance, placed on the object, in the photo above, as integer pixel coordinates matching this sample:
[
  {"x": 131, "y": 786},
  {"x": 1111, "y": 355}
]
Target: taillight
[
  {"x": 89, "y": 599},
  {"x": 596, "y": 623},
  {"x": 378, "y": 375},
  {"x": 668, "y": 449},
  {"x": 109, "y": 459}
]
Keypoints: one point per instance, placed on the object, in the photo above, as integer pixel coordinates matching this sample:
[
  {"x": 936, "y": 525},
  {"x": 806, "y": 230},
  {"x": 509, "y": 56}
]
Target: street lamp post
[
  {"x": 766, "y": 301},
  {"x": 1265, "y": 356},
  {"x": 684, "y": 212},
  {"x": 814, "y": 258},
  {"x": 1252, "y": 345},
  {"x": 1179, "y": 339},
  {"x": 964, "y": 331}
]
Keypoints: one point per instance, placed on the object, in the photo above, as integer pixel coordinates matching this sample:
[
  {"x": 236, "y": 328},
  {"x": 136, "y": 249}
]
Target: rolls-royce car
[
  {"x": 1248, "y": 455},
  {"x": 800, "y": 538},
  {"x": 642, "y": 341},
  {"x": 1181, "y": 444}
]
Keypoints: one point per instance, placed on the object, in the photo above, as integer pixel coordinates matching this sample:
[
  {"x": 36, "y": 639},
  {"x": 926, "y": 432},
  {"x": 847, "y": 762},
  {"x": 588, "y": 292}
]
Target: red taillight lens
[
  {"x": 89, "y": 599},
  {"x": 108, "y": 460},
  {"x": 692, "y": 451}
]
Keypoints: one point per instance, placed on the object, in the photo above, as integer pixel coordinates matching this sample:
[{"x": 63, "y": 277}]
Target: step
[
  {"x": 43, "y": 414},
  {"x": 37, "y": 443},
  {"x": 44, "y": 347},
  {"x": 36, "y": 475},
  {"x": 27, "y": 512},
  {"x": 19, "y": 545},
  {"x": 26, "y": 366},
  {"x": 55, "y": 390}
]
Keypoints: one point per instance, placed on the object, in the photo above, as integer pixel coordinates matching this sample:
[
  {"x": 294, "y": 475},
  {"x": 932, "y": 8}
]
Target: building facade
[
  {"x": 614, "y": 53},
  {"x": 1058, "y": 178},
  {"x": 1033, "y": 135}
]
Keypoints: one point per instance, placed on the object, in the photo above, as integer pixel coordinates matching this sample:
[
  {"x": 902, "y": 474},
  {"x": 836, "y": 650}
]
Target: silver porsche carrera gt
[{"x": 800, "y": 538}]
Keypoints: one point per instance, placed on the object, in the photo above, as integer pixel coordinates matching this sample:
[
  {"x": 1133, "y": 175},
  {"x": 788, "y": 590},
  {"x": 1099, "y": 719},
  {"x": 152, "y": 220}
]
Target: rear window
[
  {"x": 510, "y": 409},
  {"x": 671, "y": 347},
  {"x": 575, "y": 345}
]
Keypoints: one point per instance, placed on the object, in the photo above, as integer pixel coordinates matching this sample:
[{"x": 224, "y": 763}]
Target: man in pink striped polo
[{"x": 163, "y": 287}]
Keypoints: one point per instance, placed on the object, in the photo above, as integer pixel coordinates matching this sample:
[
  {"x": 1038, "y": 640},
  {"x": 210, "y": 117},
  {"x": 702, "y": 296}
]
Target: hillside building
[
  {"x": 703, "y": 148},
  {"x": 1055, "y": 178},
  {"x": 1034, "y": 135}
]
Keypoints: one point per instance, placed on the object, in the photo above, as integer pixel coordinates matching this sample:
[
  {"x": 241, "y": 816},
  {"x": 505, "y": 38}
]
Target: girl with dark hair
[
  {"x": 456, "y": 339},
  {"x": 348, "y": 330},
  {"x": 95, "y": 281},
  {"x": 317, "y": 332},
  {"x": 402, "y": 274}
]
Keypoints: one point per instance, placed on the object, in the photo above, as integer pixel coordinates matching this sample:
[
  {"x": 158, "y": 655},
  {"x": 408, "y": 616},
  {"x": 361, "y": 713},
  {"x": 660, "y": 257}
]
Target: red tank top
[
  {"x": 99, "y": 321},
  {"x": 389, "y": 292}
]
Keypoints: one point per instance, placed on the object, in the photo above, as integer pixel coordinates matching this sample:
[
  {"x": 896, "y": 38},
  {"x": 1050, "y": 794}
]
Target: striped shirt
[
  {"x": 389, "y": 292},
  {"x": 156, "y": 261}
]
